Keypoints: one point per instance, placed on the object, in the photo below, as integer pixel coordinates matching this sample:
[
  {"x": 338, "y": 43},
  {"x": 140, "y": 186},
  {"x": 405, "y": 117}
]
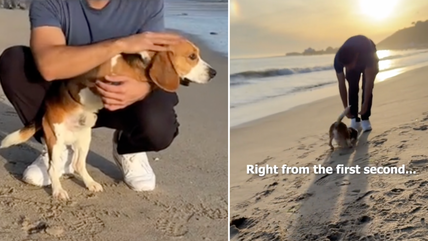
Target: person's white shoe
[
  {"x": 366, "y": 126},
  {"x": 356, "y": 125},
  {"x": 137, "y": 172},
  {"x": 37, "y": 173}
]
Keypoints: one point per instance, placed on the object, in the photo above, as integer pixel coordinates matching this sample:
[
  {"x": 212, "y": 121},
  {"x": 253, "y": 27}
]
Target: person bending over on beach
[
  {"x": 358, "y": 56},
  {"x": 71, "y": 37}
]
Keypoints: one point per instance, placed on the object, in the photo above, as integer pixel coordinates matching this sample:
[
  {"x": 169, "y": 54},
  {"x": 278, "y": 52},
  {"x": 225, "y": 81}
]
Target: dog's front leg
[
  {"x": 74, "y": 158},
  {"x": 330, "y": 143},
  {"x": 55, "y": 150},
  {"x": 55, "y": 147},
  {"x": 82, "y": 147}
]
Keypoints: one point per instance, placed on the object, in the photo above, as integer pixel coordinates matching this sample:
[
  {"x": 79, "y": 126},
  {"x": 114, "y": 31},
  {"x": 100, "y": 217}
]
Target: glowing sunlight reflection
[
  {"x": 383, "y": 53},
  {"x": 385, "y": 65},
  {"x": 388, "y": 74}
]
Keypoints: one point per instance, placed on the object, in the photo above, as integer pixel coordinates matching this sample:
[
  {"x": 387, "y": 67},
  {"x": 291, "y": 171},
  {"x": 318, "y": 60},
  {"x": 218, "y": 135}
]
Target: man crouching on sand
[
  {"x": 71, "y": 37},
  {"x": 358, "y": 56}
]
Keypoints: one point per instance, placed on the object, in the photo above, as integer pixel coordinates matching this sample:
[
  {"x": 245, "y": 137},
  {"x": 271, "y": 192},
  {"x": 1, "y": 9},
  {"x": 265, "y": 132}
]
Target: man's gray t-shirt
[
  {"x": 83, "y": 25},
  {"x": 367, "y": 53}
]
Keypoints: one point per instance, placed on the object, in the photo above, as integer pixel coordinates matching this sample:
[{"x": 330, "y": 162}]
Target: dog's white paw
[
  {"x": 60, "y": 194},
  {"x": 95, "y": 187}
]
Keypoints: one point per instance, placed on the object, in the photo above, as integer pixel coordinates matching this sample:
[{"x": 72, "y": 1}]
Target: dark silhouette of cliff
[
  {"x": 311, "y": 51},
  {"x": 411, "y": 37}
]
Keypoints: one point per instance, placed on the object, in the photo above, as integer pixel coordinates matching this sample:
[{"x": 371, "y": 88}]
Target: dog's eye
[{"x": 192, "y": 56}]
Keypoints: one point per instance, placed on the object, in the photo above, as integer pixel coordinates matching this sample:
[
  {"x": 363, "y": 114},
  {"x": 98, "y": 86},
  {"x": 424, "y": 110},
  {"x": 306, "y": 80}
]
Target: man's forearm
[
  {"x": 343, "y": 95},
  {"x": 63, "y": 62},
  {"x": 342, "y": 89}
]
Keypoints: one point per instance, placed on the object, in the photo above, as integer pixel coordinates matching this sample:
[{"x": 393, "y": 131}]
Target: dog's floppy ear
[{"x": 162, "y": 72}]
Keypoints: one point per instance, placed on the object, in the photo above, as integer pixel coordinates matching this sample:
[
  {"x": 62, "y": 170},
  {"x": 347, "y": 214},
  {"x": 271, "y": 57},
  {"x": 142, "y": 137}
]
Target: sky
[{"x": 275, "y": 27}]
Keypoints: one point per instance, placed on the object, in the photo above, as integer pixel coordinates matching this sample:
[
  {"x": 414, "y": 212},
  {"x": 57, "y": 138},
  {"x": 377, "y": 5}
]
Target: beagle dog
[
  {"x": 343, "y": 135},
  {"x": 71, "y": 106}
]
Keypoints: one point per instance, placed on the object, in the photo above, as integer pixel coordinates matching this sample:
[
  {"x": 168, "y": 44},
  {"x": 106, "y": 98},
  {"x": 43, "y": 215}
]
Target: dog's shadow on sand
[
  {"x": 20, "y": 156},
  {"x": 335, "y": 195}
]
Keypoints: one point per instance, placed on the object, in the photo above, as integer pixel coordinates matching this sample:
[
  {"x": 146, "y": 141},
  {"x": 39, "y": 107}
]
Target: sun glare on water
[
  {"x": 383, "y": 53},
  {"x": 378, "y": 9}
]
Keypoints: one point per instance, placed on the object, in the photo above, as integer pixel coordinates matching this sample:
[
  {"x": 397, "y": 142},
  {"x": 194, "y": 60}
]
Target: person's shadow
[
  {"x": 332, "y": 197},
  {"x": 20, "y": 156}
]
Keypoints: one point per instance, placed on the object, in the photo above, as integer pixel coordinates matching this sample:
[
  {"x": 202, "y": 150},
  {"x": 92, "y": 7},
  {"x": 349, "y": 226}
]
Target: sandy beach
[
  {"x": 345, "y": 207},
  {"x": 190, "y": 201}
]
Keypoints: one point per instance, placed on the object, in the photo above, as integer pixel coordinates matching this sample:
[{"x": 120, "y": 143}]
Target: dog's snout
[{"x": 212, "y": 72}]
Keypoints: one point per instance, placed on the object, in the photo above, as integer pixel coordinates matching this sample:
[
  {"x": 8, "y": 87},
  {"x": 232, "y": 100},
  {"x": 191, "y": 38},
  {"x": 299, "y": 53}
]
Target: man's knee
[
  {"x": 11, "y": 59},
  {"x": 157, "y": 127},
  {"x": 158, "y": 120},
  {"x": 163, "y": 139},
  {"x": 148, "y": 125},
  {"x": 21, "y": 82},
  {"x": 160, "y": 130},
  {"x": 13, "y": 55}
]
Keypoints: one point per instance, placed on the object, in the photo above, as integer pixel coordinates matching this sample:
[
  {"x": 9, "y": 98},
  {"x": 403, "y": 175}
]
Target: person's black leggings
[{"x": 147, "y": 125}]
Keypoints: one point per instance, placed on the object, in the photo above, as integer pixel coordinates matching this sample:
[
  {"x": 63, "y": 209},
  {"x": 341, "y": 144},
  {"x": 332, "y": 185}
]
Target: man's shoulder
[
  {"x": 355, "y": 39},
  {"x": 358, "y": 41},
  {"x": 41, "y": 6}
]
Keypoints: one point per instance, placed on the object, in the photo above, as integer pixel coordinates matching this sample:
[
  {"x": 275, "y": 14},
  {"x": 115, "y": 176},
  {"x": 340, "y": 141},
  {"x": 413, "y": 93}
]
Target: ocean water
[
  {"x": 207, "y": 20},
  {"x": 265, "y": 86}
]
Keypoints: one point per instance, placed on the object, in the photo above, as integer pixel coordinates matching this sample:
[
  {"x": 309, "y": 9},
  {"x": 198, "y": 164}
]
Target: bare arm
[
  {"x": 56, "y": 61},
  {"x": 342, "y": 89},
  {"x": 338, "y": 67}
]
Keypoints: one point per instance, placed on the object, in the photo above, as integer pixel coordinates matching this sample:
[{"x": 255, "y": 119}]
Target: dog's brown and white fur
[
  {"x": 343, "y": 135},
  {"x": 71, "y": 106}
]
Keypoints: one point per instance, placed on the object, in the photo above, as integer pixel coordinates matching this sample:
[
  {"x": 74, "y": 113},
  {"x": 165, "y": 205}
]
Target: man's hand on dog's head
[{"x": 148, "y": 41}]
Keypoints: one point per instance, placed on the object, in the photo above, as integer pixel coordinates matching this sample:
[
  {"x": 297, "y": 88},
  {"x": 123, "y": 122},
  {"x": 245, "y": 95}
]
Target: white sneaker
[
  {"x": 366, "y": 126},
  {"x": 37, "y": 173},
  {"x": 356, "y": 125},
  {"x": 137, "y": 172}
]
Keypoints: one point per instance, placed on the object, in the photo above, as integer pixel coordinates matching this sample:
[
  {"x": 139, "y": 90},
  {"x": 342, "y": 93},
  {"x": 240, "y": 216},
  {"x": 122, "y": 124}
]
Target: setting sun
[{"x": 378, "y": 9}]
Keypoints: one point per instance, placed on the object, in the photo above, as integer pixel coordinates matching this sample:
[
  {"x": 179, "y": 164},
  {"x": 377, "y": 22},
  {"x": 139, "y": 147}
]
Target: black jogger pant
[
  {"x": 147, "y": 125},
  {"x": 353, "y": 77}
]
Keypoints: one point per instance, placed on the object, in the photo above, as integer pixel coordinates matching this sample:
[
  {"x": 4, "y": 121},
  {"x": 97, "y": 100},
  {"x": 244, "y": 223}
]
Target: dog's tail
[
  {"x": 341, "y": 116},
  {"x": 20, "y": 136}
]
